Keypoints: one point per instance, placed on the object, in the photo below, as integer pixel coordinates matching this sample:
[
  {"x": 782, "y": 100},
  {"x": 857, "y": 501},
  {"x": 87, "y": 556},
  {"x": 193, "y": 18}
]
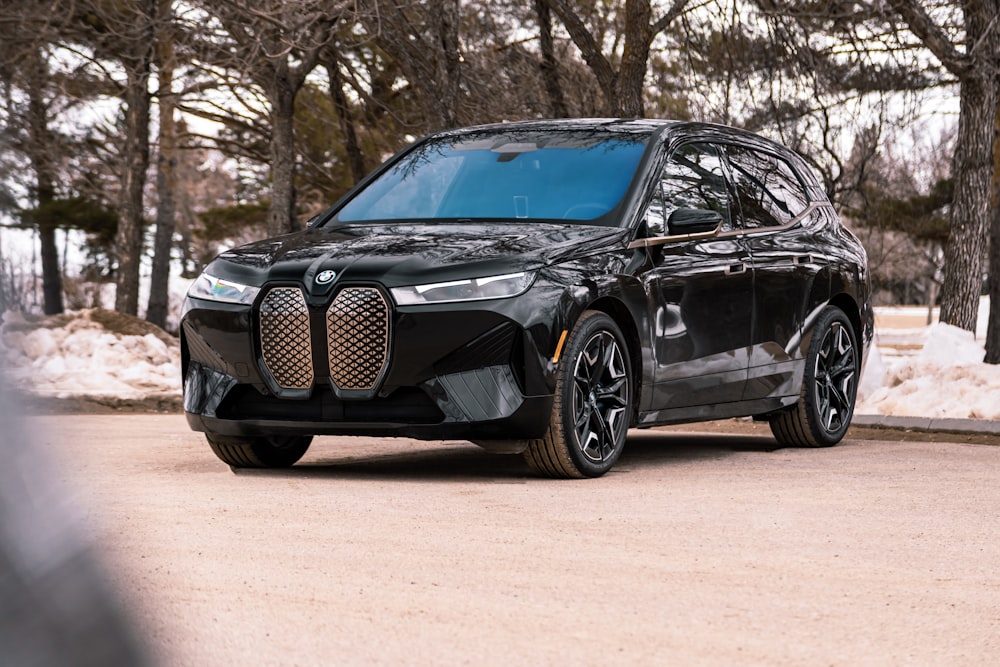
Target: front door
[{"x": 700, "y": 291}]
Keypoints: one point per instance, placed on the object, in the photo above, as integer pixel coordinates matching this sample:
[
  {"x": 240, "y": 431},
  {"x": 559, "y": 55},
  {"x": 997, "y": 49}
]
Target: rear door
[{"x": 775, "y": 213}]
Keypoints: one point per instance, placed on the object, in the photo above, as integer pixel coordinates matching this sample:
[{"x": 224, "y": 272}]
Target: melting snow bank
[
  {"x": 93, "y": 354},
  {"x": 945, "y": 379}
]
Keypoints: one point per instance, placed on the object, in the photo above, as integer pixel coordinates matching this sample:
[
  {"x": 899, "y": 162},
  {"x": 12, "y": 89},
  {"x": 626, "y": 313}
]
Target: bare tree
[
  {"x": 622, "y": 87},
  {"x": 137, "y": 58},
  {"x": 123, "y": 34},
  {"x": 166, "y": 165},
  {"x": 424, "y": 41},
  {"x": 24, "y": 66},
  {"x": 276, "y": 43},
  {"x": 40, "y": 144},
  {"x": 355, "y": 158},
  {"x": 972, "y": 58},
  {"x": 549, "y": 66}
]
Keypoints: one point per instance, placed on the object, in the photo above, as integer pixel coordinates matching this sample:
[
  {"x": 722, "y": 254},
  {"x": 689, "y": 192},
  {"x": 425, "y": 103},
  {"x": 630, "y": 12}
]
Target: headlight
[
  {"x": 473, "y": 289},
  {"x": 216, "y": 289}
]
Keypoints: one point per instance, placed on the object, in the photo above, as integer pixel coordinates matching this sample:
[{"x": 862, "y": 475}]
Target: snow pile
[
  {"x": 91, "y": 353},
  {"x": 946, "y": 378}
]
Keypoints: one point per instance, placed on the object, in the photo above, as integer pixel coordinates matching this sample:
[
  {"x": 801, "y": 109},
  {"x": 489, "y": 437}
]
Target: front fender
[{"x": 621, "y": 297}]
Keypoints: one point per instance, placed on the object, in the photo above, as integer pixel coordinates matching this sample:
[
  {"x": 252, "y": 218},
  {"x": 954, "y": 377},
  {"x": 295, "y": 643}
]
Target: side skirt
[{"x": 699, "y": 413}]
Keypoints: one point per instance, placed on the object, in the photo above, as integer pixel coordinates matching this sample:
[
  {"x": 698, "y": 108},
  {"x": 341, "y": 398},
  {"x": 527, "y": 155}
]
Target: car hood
[{"x": 408, "y": 254}]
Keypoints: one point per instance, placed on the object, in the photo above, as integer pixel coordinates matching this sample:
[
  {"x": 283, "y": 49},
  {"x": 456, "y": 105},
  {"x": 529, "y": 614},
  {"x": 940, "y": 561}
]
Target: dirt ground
[{"x": 708, "y": 548}]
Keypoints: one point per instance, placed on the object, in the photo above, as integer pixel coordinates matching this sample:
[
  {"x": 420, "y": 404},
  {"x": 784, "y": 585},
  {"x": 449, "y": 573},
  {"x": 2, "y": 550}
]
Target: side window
[
  {"x": 692, "y": 178},
  {"x": 769, "y": 192}
]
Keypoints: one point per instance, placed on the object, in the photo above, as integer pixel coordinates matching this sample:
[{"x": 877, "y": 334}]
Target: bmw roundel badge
[{"x": 324, "y": 277}]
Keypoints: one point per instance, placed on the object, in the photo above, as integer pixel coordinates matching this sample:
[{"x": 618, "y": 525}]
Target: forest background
[{"x": 140, "y": 137}]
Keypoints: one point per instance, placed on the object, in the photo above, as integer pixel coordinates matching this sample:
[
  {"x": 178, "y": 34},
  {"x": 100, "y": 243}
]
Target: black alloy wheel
[
  {"x": 259, "y": 452},
  {"x": 600, "y": 397},
  {"x": 592, "y": 407},
  {"x": 829, "y": 388}
]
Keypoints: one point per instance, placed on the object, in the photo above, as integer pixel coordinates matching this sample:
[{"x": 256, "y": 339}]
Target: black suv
[{"x": 539, "y": 288}]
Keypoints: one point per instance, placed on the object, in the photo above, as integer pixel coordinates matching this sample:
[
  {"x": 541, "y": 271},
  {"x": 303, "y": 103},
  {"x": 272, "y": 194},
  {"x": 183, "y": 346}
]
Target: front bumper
[{"x": 470, "y": 371}]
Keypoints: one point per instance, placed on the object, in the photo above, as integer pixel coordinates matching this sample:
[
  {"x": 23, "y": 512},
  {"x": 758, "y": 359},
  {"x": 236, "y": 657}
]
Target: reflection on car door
[
  {"x": 700, "y": 291},
  {"x": 785, "y": 264}
]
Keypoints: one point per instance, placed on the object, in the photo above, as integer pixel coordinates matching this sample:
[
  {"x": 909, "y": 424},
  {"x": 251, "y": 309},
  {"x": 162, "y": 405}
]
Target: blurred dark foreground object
[{"x": 55, "y": 607}]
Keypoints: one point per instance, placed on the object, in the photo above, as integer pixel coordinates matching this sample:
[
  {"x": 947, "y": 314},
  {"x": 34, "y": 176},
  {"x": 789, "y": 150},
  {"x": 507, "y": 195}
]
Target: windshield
[{"x": 565, "y": 175}]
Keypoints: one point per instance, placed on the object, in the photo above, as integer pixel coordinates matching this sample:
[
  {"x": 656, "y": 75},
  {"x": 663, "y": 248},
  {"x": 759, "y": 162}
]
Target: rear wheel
[
  {"x": 592, "y": 407},
  {"x": 829, "y": 389},
  {"x": 259, "y": 452}
]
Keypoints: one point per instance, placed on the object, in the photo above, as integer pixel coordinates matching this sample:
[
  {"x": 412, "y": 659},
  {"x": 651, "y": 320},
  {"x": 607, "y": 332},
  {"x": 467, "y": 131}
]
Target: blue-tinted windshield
[{"x": 568, "y": 176}]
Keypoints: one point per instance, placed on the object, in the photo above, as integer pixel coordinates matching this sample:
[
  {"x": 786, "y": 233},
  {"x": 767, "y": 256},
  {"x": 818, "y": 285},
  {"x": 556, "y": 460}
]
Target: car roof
[
  {"x": 647, "y": 126},
  {"x": 640, "y": 125}
]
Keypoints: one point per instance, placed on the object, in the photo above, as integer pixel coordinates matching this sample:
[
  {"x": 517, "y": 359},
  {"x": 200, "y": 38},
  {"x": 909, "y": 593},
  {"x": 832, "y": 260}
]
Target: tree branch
[
  {"x": 933, "y": 37},
  {"x": 678, "y": 8},
  {"x": 589, "y": 48}
]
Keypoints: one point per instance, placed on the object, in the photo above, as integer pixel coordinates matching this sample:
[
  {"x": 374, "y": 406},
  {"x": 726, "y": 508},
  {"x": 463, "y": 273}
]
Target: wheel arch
[{"x": 850, "y": 307}]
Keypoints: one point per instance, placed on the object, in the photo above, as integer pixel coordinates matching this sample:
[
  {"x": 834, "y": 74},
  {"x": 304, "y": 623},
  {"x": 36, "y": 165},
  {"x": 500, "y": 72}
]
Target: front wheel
[
  {"x": 592, "y": 407},
  {"x": 829, "y": 388},
  {"x": 259, "y": 452}
]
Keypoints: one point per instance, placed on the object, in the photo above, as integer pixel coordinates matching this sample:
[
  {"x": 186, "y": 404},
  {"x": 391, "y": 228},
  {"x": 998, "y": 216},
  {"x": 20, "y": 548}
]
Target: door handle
[{"x": 736, "y": 269}]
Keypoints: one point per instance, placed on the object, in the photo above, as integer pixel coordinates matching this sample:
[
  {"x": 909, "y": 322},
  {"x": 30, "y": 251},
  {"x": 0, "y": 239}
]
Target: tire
[
  {"x": 593, "y": 403},
  {"x": 260, "y": 452},
  {"x": 829, "y": 387}
]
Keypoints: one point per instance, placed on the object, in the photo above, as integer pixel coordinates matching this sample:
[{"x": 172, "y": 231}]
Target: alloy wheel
[
  {"x": 835, "y": 374},
  {"x": 600, "y": 398}
]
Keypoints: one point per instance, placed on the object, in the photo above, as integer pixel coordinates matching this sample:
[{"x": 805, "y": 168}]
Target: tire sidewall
[{"x": 259, "y": 451}]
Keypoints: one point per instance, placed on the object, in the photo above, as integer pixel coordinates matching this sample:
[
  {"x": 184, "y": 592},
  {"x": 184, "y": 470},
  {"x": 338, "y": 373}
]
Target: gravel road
[{"x": 697, "y": 549}]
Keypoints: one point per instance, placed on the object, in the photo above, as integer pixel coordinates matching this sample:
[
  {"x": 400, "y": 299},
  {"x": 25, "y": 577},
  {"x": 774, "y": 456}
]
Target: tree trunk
[
  {"x": 166, "y": 179},
  {"x": 41, "y": 150},
  {"x": 128, "y": 241},
  {"x": 281, "y": 215},
  {"x": 448, "y": 66},
  {"x": 622, "y": 89},
  {"x": 549, "y": 65},
  {"x": 354, "y": 157},
  {"x": 51, "y": 277},
  {"x": 3, "y": 279},
  {"x": 973, "y": 169},
  {"x": 628, "y": 101},
  {"x": 993, "y": 329}
]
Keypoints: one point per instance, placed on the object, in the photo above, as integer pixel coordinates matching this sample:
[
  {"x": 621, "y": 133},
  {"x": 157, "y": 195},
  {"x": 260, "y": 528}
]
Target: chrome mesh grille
[
  {"x": 357, "y": 331},
  {"x": 286, "y": 345}
]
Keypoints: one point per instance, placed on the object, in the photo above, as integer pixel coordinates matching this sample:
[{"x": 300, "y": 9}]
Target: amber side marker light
[{"x": 559, "y": 347}]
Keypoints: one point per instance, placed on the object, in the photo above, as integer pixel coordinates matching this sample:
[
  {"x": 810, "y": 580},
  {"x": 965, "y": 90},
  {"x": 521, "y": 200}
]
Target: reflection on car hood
[{"x": 406, "y": 254}]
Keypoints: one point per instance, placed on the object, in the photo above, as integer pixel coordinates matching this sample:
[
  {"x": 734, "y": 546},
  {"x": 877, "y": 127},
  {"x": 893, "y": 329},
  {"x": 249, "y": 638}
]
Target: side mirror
[
  {"x": 693, "y": 221},
  {"x": 684, "y": 224}
]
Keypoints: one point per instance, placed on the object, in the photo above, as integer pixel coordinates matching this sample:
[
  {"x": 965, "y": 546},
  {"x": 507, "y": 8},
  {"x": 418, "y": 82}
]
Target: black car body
[{"x": 539, "y": 287}]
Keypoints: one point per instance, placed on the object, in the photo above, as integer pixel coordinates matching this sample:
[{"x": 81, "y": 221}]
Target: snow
[
  {"x": 90, "y": 353},
  {"x": 915, "y": 370},
  {"x": 944, "y": 377}
]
